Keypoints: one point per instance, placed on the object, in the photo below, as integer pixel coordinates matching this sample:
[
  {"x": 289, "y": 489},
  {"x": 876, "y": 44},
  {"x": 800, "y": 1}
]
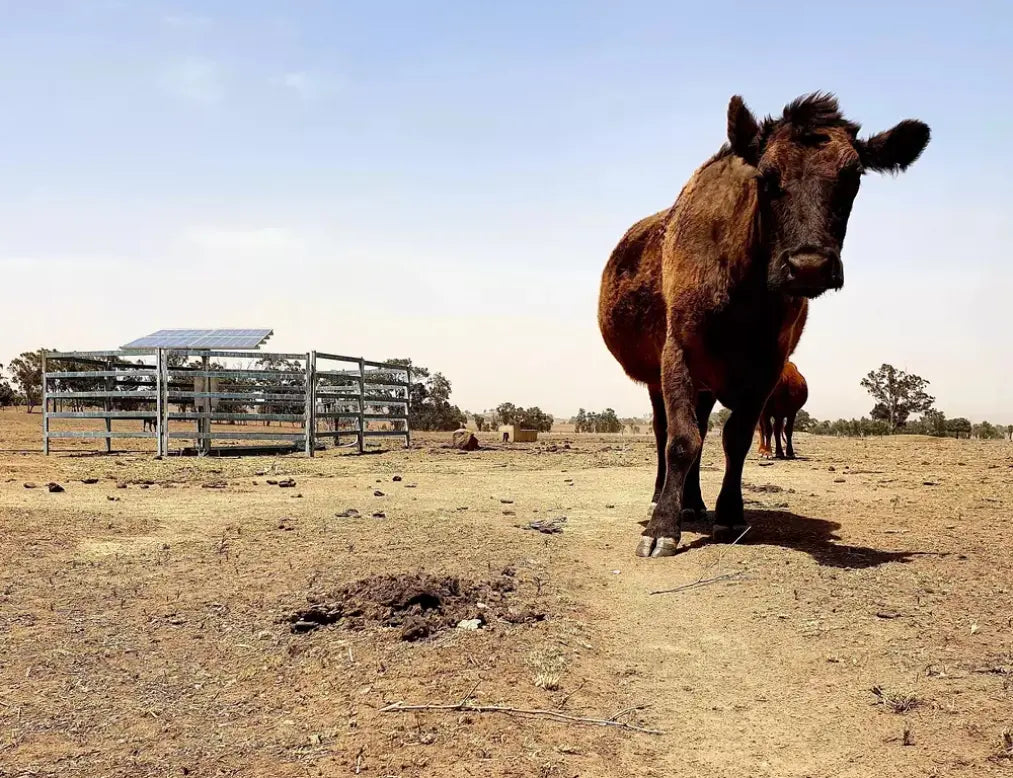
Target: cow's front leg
[
  {"x": 737, "y": 437},
  {"x": 661, "y": 537}
]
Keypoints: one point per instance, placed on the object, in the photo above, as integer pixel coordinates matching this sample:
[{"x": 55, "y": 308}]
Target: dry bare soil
[{"x": 203, "y": 621}]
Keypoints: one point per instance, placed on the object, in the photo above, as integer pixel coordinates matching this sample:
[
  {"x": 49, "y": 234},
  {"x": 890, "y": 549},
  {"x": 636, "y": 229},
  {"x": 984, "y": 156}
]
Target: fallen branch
[
  {"x": 400, "y": 707},
  {"x": 703, "y": 582}
]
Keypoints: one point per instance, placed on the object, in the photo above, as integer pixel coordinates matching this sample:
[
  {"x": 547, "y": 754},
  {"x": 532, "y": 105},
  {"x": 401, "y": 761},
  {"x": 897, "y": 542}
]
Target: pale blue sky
[{"x": 446, "y": 180}]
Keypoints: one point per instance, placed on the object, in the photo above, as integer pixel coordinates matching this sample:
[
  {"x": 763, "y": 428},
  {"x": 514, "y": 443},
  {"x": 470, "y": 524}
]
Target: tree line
[{"x": 897, "y": 398}]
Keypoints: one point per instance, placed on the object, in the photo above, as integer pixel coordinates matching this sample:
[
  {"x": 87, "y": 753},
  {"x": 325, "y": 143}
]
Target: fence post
[
  {"x": 160, "y": 414},
  {"x": 45, "y": 405},
  {"x": 362, "y": 405},
  {"x": 311, "y": 402},
  {"x": 408, "y": 409},
  {"x": 108, "y": 407}
]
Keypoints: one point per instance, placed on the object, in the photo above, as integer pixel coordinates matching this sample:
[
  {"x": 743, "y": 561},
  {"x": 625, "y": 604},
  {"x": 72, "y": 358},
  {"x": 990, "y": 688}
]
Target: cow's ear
[
  {"x": 894, "y": 150},
  {"x": 743, "y": 130}
]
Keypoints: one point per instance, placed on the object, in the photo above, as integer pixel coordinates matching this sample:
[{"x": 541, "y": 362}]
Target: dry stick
[
  {"x": 704, "y": 582},
  {"x": 400, "y": 707},
  {"x": 701, "y": 581}
]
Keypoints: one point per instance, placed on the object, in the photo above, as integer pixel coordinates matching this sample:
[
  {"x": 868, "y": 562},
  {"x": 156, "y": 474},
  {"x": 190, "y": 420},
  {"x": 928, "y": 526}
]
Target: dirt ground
[{"x": 186, "y": 617}]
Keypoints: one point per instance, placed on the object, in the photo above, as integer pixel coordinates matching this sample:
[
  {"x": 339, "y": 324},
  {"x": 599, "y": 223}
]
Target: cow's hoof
[
  {"x": 655, "y": 547},
  {"x": 725, "y": 533}
]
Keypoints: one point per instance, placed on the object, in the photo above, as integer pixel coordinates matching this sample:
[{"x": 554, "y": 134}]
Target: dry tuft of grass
[
  {"x": 896, "y": 702},
  {"x": 1005, "y": 748},
  {"x": 548, "y": 665}
]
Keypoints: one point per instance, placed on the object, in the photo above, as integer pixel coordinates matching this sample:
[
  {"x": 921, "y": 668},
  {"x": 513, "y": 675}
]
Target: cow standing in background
[{"x": 779, "y": 413}]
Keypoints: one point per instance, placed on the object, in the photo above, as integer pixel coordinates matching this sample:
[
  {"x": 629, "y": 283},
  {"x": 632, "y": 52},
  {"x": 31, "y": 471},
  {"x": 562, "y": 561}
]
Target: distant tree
[
  {"x": 959, "y": 426},
  {"x": 881, "y": 412},
  {"x": 897, "y": 394},
  {"x": 429, "y": 407},
  {"x": 506, "y": 413},
  {"x": 27, "y": 372},
  {"x": 7, "y": 394},
  {"x": 987, "y": 431},
  {"x": 933, "y": 422},
  {"x": 534, "y": 418},
  {"x": 480, "y": 423},
  {"x": 803, "y": 421}
]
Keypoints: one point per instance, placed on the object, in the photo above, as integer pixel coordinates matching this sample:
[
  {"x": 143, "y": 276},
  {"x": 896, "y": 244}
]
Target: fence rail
[{"x": 349, "y": 397}]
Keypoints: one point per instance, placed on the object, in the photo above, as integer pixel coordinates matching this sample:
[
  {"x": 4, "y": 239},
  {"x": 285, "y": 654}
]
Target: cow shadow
[{"x": 813, "y": 536}]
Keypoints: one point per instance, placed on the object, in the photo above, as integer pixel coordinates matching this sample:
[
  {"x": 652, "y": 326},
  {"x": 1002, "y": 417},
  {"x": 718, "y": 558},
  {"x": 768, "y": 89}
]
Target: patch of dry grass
[{"x": 896, "y": 702}]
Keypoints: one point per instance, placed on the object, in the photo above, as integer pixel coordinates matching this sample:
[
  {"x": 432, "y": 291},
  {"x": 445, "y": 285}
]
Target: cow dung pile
[{"x": 417, "y": 605}]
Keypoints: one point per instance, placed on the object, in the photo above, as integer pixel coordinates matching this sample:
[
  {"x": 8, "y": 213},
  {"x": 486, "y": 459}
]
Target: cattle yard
[
  {"x": 262, "y": 615},
  {"x": 221, "y": 397}
]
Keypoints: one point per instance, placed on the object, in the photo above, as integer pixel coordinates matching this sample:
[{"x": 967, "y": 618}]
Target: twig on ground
[
  {"x": 701, "y": 581},
  {"x": 566, "y": 699},
  {"x": 400, "y": 707},
  {"x": 465, "y": 698},
  {"x": 704, "y": 582}
]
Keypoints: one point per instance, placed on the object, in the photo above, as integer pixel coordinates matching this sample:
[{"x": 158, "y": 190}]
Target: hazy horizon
[{"x": 446, "y": 182}]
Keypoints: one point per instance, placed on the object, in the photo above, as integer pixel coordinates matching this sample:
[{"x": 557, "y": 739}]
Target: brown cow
[
  {"x": 779, "y": 413},
  {"x": 705, "y": 300}
]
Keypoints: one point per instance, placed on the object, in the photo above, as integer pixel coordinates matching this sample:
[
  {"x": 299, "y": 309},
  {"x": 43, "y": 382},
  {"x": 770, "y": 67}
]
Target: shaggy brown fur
[
  {"x": 706, "y": 300},
  {"x": 778, "y": 416}
]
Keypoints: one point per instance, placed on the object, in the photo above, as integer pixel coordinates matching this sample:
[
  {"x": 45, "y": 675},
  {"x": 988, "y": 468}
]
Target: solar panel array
[{"x": 202, "y": 339}]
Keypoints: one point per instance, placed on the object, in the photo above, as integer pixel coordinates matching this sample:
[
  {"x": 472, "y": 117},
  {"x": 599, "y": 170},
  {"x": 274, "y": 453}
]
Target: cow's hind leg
[
  {"x": 789, "y": 431},
  {"x": 693, "y": 506},
  {"x": 778, "y": 432},
  {"x": 765, "y": 432},
  {"x": 660, "y": 423},
  {"x": 661, "y": 538},
  {"x": 737, "y": 436}
]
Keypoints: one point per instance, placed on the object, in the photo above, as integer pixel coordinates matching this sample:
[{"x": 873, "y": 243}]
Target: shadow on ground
[{"x": 816, "y": 537}]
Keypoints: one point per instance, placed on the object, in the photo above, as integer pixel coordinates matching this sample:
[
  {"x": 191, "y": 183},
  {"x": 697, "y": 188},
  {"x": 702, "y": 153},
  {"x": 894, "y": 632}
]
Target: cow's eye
[{"x": 770, "y": 183}]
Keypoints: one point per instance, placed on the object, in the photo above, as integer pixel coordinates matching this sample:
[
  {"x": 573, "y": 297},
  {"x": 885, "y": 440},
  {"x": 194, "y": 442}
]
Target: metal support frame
[{"x": 362, "y": 395}]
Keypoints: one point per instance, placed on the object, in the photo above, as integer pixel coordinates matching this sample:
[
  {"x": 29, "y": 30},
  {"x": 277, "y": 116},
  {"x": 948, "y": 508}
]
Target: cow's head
[{"x": 809, "y": 164}]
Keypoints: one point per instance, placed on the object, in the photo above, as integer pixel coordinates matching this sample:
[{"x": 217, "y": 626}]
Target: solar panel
[{"x": 202, "y": 339}]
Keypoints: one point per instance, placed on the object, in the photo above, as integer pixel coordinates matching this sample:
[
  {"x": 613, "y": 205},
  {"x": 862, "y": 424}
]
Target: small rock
[
  {"x": 509, "y": 513},
  {"x": 548, "y": 526},
  {"x": 470, "y": 624},
  {"x": 121, "y": 485},
  {"x": 112, "y": 499},
  {"x": 396, "y": 479},
  {"x": 30, "y": 485},
  {"x": 272, "y": 482},
  {"x": 351, "y": 513},
  {"x": 832, "y": 469},
  {"x": 288, "y": 483},
  {"x": 378, "y": 493},
  {"x": 214, "y": 485},
  {"x": 54, "y": 487},
  {"x": 264, "y": 635},
  {"x": 507, "y": 502},
  {"x": 89, "y": 481},
  {"x": 610, "y": 507},
  {"x": 379, "y": 515},
  {"x": 839, "y": 480},
  {"x": 261, "y": 473}
]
